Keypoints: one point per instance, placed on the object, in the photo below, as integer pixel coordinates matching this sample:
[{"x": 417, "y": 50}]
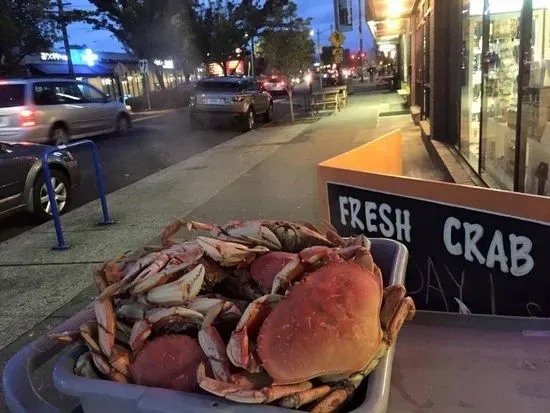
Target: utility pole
[
  {"x": 63, "y": 25},
  {"x": 360, "y": 42}
]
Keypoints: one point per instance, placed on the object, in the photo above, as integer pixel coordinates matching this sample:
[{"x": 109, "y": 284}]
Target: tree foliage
[
  {"x": 287, "y": 51},
  {"x": 25, "y": 27},
  {"x": 220, "y": 30}
]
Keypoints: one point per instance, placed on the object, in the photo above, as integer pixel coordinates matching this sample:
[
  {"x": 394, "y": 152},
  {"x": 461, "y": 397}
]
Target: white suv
[{"x": 55, "y": 111}]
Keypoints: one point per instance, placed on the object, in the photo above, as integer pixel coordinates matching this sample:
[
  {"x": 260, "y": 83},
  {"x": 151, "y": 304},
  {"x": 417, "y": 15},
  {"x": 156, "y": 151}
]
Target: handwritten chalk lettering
[
  {"x": 519, "y": 262},
  {"x": 390, "y": 222}
]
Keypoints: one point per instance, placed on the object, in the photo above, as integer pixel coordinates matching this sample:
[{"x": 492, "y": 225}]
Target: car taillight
[
  {"x": 237, "y": 98},
  {"x": 27, "y": 118}
]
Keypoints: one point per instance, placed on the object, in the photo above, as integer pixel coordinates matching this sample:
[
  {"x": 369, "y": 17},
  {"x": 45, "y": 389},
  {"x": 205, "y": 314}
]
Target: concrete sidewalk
[{"x": 270, "y": 172}]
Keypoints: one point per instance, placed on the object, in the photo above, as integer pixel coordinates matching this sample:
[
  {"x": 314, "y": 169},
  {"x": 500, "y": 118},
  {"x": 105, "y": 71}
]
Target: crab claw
[
  {"x": 203, "y": 305},
  {"x": 140, "y": 332},
  {"x": 180, "y": 291},
  {"x": 265, "y": 269},
  {"x": 238, "y": 348},
  {"x": 232, "y": 392},
  {"x": 253, "y": 232},
  {"x": 161, "y": 316},
  {"x": 229, "y": 254}
]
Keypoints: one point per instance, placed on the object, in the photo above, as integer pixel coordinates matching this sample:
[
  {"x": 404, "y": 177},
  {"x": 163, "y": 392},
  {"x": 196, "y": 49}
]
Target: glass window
[
  {"x": 56, "y": 93},
  {"x": 470, "y": 107},
  {"x": 535, "y": 108},
  {"x": 500, "y": 93},
  {"x": 12, "y": 95},
  {"x": 90, "y": 93}
]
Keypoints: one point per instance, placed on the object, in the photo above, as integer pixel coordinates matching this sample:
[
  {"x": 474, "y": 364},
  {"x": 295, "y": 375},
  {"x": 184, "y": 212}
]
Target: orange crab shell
[
  {"x": 168, "y": 362},
  {"x": 328, "y": 324}
]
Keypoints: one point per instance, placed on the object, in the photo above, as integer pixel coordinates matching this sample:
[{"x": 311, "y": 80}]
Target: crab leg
[
  {"x": 229, "y": 254},
  {"x": 333, "y": 400},
  {"x": 232, "y": 392},
  {"x": 140, "y": 333},
  {"x": 83, "y": 366},
  {"x": 204, "y": 304},
  {"x": 297, "y": 400},
  {"x": 106, "y": 325},
  {"x": 213, "y": 346},
  {"x": 238, "y": 348}
]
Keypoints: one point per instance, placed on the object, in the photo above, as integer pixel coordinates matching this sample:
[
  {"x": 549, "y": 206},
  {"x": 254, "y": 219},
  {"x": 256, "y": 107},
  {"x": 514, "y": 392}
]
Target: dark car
[{"x": 22, "y": 187}]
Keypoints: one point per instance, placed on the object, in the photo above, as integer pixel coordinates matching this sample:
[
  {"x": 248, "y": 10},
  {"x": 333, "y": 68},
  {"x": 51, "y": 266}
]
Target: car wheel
[
  {"x": 269, "y": 114},
  {"x": 123, "y": 125},
  {"x": 59, "y": 135},
  {"x": 249, "y": 120},
  {"x": 60, "y": 184}
]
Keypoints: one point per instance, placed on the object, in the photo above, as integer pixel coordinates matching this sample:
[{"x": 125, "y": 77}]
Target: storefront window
[
  {"x": 472, "y": 39},
  {"x": 535, "y": 112},
  {"x": 500, "y": 93}
]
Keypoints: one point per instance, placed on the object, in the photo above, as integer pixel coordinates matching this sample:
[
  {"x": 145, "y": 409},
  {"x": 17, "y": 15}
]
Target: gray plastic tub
[{"x": 101, "y": 396}]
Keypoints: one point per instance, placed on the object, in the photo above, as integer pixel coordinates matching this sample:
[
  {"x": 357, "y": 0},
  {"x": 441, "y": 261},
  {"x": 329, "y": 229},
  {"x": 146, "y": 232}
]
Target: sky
[{"x": 321, "y": 11}]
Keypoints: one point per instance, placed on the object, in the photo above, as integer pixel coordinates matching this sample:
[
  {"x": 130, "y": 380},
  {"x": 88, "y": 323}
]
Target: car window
[
  {"x": 221, "y": 85},
  {"x": 91, "y": 94},
  {"x": 56, "y": 93},
  {"x": 12, "y": 95}
]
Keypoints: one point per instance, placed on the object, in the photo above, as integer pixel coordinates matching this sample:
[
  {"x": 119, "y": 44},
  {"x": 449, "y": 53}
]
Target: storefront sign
[
  {"x": 53, "y": 57},
  {"x": 165, "y": 64},
  {"x": 345, "y": 17},
  {"x": 471, "y": 249}
]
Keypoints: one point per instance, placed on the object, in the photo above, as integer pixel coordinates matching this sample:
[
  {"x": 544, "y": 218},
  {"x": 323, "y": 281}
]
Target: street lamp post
[
  {"x": 318, "y": 47},
  {"x": 251, "y": 54}
]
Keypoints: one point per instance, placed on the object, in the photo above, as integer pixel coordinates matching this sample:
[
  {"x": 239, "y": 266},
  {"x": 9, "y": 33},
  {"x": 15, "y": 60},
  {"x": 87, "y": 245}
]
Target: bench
[
  {"x": 322, "y": 100},
  {"x": 405, "y": 94},
  {"x": 415, "y": 113}
]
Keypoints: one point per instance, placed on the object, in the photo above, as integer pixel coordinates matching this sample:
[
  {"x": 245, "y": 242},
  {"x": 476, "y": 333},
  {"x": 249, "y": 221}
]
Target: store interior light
[{"x": 395, "y": 8}]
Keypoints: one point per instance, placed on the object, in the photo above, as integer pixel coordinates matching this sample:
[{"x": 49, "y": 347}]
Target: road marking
[{"x": 147, "y": 117}]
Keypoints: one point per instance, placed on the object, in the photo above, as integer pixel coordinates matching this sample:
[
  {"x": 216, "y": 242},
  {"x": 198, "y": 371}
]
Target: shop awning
[
  {"x": 378, "y": 10},
  {"x": 62, "y": 69}
]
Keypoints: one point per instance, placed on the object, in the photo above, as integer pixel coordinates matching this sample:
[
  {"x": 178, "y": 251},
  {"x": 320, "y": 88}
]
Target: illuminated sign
[
  {"x": 89, "y": 57},
  {"x": 53, "y": 57},
  {"x": 166, "y": 64}
]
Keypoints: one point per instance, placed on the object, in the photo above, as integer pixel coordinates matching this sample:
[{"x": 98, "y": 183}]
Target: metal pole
[
  {"x": 61, "y": 245},
  {"x": 319, "y": 51},
  {"x": 336, "y": 16},
  {"x": 146, "y": 82},
  {"x": 65, "y": 37},
  {"x": 360, "y": 41},
  {"x": 100, "y": 187},
  {"x": 252, "y": 56}
]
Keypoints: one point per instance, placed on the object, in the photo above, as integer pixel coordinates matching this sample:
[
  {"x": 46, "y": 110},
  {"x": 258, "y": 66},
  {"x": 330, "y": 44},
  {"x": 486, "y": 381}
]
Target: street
[{"x": 154, "y": 143}]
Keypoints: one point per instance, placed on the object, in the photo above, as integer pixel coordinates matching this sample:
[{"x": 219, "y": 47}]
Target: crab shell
[
  {"x": 168, "y": 362},
  {"x": 328, "y": 324}
]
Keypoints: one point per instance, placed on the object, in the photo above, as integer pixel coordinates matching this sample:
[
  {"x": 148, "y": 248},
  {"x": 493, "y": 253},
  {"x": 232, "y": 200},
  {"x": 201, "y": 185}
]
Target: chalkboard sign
[{"x": 461, "y": 259}]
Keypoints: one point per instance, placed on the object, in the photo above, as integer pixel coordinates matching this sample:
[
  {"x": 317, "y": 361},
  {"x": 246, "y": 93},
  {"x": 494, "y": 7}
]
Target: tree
[
  {"x": 25, "y": 27},
  {"x": 147, "y": 28},
  {"x": 220, "y": 30},
  {"x": 288, "y": 51}
]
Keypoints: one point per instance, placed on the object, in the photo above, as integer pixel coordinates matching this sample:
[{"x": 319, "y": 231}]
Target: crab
[
  {"x": 319, "y": 341},
  {"x": 275, "y": 235}
]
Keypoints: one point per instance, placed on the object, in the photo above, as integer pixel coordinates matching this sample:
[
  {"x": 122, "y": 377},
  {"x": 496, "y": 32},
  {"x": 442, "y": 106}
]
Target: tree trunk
[
  {"x": 291, "y": 105},
  {"x": 160, "y": 78}
]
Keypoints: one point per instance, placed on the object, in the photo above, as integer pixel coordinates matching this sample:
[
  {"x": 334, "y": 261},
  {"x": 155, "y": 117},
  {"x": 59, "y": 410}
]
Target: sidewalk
[{"x": 266, "y": 173}]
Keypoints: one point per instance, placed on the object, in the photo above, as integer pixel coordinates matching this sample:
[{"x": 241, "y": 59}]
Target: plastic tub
[{"x": 101, "y": 396}]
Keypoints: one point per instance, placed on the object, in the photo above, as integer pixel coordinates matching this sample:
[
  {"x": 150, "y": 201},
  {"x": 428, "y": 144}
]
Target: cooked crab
[{"x": 334, "y": 325}]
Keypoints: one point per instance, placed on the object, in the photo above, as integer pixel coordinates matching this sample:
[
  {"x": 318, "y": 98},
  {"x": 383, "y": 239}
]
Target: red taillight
[{"x": 27, "y": 118}]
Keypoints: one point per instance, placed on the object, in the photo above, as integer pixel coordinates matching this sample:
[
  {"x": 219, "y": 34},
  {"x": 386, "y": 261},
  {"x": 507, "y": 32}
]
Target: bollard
[{"x": 61, "y": 244}]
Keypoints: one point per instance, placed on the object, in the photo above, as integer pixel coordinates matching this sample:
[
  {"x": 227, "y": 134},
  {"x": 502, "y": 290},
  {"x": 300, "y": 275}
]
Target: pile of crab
[{"x": 256, "y": 312}]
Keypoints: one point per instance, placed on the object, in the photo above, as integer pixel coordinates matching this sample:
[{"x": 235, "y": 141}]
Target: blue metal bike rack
[{"x": 61, "y": 245}]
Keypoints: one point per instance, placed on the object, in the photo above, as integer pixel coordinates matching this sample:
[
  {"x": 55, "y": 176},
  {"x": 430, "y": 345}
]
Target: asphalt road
[{"x": 154, "y": 143}]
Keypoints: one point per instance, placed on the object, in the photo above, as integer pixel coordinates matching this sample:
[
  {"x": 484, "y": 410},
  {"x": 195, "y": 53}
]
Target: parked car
[
  {"x": 54, "y": 111},
  {"x": 240, "y": 99},
  {"x": 22, "y": 187},
  {"x": 276, "y": 84}
]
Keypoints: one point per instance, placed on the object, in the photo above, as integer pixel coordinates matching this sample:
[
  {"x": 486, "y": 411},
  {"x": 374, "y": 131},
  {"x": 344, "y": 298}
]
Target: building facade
[
  {"x": 117, "y": 74},
  {"x": 480, "y": 75}
]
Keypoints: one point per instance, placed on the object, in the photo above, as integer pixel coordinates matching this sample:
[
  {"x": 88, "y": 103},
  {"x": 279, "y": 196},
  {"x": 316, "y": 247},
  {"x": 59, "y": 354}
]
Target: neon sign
[{"x": 53, "y": 57}]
